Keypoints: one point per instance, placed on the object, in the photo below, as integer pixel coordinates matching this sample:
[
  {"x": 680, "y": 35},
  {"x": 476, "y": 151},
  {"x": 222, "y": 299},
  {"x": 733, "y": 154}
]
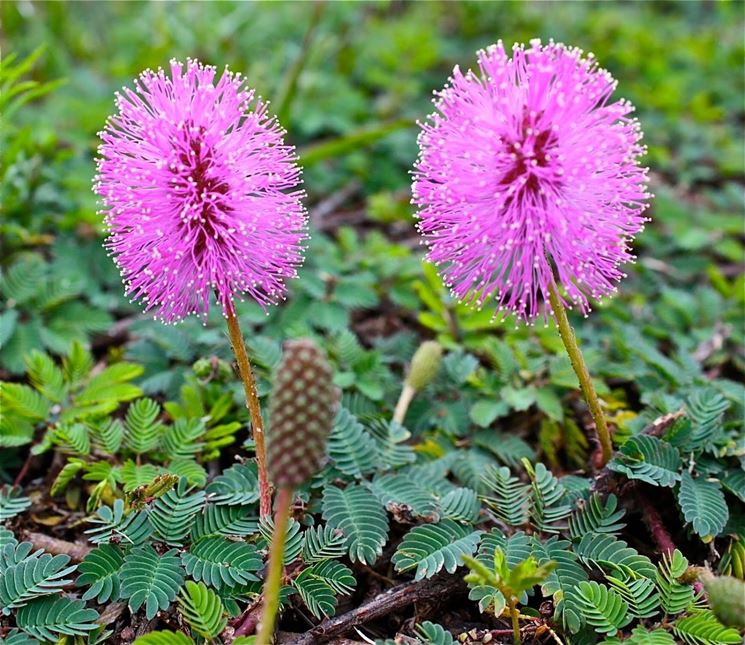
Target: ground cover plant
[{"x": 433, "y": 473}]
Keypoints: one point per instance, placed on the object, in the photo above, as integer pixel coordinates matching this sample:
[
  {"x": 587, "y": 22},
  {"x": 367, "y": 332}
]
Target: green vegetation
[{"x": 127, "y": 440}]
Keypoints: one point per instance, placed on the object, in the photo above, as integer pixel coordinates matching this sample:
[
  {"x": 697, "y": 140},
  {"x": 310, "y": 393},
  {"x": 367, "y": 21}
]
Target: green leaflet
[
  {"x": 649, "y": 459},
  {"x": 703, "y": 505},
  {"x": 432, "y": 547},
  {"x": 603, "y": 607},
  {"x": 359, "y": 516},
  {"x": 219, "y": 561},
  {"x": 49, "y": 618},
  {"x": 12, "y": 502},
  {"x": 100, "y": 570},
  {"x": 202, "y": 609},
  {"x": 150, "y": 579},
  {"x": 29, "y": 576}
]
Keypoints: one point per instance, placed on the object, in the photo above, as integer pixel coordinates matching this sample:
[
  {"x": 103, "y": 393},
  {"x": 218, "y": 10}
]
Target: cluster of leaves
[
  {"x": 73, "y": 404},
  {"x": 462, "y": 476}
]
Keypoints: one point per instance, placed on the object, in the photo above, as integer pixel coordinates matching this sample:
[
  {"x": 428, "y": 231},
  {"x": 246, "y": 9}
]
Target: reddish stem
[
  {"x": 655, "y": 525},
  {"x": 254, "y": 408}
]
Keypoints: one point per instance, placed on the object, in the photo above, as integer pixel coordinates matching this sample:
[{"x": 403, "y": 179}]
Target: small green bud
[
  {"x": 424, "y": 364},
  {"x": 727, "y": 599},
  {"x": 202, "y": 368},
  {"x": 302, "y": 412}
]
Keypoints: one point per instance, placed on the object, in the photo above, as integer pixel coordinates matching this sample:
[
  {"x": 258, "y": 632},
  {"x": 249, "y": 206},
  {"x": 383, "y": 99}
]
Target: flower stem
[
  {"x": 254, "y": 409},
  {"x": 274, "y": 577},
  {"x": 515, "y": 616},
  {"x": 580, "y": 368},
  {"x": 404, "y": 400}
]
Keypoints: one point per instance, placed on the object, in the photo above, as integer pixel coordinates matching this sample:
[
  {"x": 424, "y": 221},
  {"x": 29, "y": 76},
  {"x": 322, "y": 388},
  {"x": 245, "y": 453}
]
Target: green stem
[
  {"x": 274, "y": 577},
  {"x": 580, "y": 368},
  {"x": 515, "y": 616}
]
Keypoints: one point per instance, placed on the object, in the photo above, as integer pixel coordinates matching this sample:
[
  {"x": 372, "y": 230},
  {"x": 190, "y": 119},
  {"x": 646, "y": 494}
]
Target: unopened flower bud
[
  {"x": 727, "y": 599},
  {"x": 302, "y": 412},
  {"x": 425, "y": 364}
]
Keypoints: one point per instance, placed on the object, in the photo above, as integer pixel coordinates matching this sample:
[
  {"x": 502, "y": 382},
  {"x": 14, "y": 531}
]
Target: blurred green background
[
  {"x": 334, "y": 69},
  {"x": 349, "y": 80}
]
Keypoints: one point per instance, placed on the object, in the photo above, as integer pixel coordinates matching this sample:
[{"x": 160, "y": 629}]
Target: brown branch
[
  {"x": 56, "y": 546},
  {"x": 381, "y": 605}
]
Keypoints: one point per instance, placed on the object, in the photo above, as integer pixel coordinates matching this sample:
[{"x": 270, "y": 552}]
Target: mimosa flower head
[
  {"x": 529, "y": 177},
  {"x": 200, "y": 193}
]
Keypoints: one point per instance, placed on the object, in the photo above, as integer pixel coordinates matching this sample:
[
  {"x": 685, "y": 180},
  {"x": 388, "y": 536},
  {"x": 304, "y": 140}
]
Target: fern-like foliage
[
  {"x": 563, "y": 581},
  {"x": 395, "y": 491},
  {"x": 23, "y": 401},
  {"x": 351, "y": 448},
  {"x": 165, "y": 637},
  {"x": 611, "y": 554},
  {"x": 6, "y": 537},
  {"x": 72, "y": 438},
  {"x": 31, "y": 576},
  {"x": 547, "y": 508},
  {"x": 596, "y": 517},
  {"x": 293, "y": 538},
  {"x": 17, "y": 637},
  {"x": 461, "y": 505},
  {"x": 238, "y": 485},
  {"x": 705, "y": 408},
  {"x": 150, "y": 579},
  {"x": 640, "y": 595},
  {"x": 392, "y": 439},
  {"x": 224, "y": 520},
  {"x": 497, "y": 585},
  {"x": 50, "y": 618},
  {"x": 358, "y": 515},
  {"x": 642, "y": 636},
  {"x": 648, "y": 459},
  {"x": 109, "y": 436},
  {"x": 508, "y": 497},
  {"x": 100, "y": 571},
  {"x": 181, "y": 440},
  {"x": 202, "y": 609},
  {"x": 703, "y": 628},
  {"x": 219, "y": 561},
  {"x": 323, "y": 543},
  {"x": 431, "y": 547},
  {"x": 12, "y": 502},
  {"x": 703, "y": 505},
  {"x": 173, "y": 514},
  {"x": 675, "y": 597},
  {"x": 142, "y": 428},
  {"x": 319, "y": 585},
  {"x": 517, "y": 548},
  {"x": 435, "y": 634},
  {"x": 114, "y": 524},
  {"x": 603, "y": 607},
  {"x": 14, "y": 552},
  {"x": 46, "y": 376},
  {"x": 315, "y": 593}
]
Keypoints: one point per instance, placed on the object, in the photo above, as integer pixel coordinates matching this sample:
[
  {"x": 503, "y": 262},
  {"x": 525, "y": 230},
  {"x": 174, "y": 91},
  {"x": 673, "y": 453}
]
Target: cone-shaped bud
[
  {"x": 727, "y": 599},
  {"x": 425, "y": 364},
  {"x": 301, "y": 415}
]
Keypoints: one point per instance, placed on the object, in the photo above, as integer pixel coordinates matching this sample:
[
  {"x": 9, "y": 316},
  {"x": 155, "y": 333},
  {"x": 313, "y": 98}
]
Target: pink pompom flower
[
  {"x": 528, "y": 178},
  {"x": 200, "y": 193}
]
